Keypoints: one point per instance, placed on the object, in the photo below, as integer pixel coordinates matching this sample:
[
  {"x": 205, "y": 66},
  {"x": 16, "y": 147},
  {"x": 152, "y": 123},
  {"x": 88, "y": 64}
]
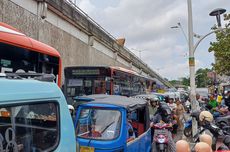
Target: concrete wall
[{"x": 77, "y": 39}]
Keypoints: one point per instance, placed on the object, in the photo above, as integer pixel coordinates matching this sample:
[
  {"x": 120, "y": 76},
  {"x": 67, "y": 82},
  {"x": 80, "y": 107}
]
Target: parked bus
[
  {"x": 86, "y": 80},
  {"x": 20, "y": 53}
]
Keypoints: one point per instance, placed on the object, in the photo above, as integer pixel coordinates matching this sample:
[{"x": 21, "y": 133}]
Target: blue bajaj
[{"x": 113, "y": 124}]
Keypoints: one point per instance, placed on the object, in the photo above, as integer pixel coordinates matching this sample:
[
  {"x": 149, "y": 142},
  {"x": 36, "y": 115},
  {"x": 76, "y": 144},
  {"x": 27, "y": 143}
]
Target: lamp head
[{"x": 217, "y": 12}]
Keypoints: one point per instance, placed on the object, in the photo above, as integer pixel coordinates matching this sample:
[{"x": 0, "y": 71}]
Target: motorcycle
[
  {"x": 188, "y": 128},
  {"x": 161, "y": 136},
  {"x": 188, "y": 124},
  {"x": 209, "y": 128},
  {"x": 188, "y": 108}
]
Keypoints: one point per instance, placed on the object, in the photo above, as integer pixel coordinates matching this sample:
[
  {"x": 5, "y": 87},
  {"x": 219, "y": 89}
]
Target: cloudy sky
[{"x": 145, "y": 24}]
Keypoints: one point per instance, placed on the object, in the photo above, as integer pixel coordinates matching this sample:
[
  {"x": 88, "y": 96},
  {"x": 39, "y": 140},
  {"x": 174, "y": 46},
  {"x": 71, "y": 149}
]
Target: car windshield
[
  {"x": 30, "y": 127},
  {"x": 101, "y": 124}
]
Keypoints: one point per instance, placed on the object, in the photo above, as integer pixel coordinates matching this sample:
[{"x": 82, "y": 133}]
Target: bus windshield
[
  {"x": 16, "y": 59},
  {"x": 86, "y": 81},
  {"x": 101, "y": 124}
]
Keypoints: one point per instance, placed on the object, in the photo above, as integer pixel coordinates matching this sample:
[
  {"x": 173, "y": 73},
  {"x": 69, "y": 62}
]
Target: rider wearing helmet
[
  {"x": 205, "y": 117},
  {"x": 164, "y": 114},
  {"x": 153, "y": 104}
]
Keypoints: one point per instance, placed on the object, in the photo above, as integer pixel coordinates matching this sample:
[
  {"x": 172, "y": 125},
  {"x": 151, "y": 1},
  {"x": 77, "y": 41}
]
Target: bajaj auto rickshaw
[
  {"x": 113, "y": 124},
  {"x": 34, "y": 117}
]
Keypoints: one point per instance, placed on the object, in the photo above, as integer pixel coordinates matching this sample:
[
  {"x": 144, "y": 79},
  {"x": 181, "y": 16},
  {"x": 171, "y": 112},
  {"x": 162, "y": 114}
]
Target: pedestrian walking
[{"x": 180, "y": 114}]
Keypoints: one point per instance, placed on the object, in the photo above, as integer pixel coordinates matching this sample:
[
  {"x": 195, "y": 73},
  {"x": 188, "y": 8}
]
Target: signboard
[
  {"x": 5, "y": 63},
  {"x": 191, "y": 61},
  {"x": 75, "y": 82},
  {"x": 85, "y": 72},
  {"x": 116, "y": 89}
]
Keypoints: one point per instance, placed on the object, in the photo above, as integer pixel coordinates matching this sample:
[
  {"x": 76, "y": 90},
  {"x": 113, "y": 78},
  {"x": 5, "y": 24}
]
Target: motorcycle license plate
[{"x": 86, "y": 149}]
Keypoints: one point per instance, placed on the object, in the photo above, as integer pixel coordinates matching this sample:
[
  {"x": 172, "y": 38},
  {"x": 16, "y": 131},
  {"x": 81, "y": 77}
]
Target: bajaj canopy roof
[{"x": 122, "y": 101}]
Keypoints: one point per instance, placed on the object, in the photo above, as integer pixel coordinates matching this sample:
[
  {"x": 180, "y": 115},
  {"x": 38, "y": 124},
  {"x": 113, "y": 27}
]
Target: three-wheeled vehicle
[
  {"x": 34, "y": 117},
  {"x": 103, "y": 125}
]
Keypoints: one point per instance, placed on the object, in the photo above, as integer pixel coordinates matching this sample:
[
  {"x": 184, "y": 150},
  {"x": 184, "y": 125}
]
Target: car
[
  {"x": 160, "y": 96},
  {"x": 101, "y": 125},
  {"x": 34, "y": 116},
  {"x": 147, "y": 96}
]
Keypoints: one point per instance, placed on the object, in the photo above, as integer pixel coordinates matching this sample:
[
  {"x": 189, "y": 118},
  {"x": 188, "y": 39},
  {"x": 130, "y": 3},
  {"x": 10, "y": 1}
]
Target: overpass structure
[{"x": 78, "y": 38}]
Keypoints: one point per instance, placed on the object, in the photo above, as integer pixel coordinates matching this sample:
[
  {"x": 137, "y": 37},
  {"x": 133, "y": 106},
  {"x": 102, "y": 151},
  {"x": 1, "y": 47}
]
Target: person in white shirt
[{"x": 171, "y": 104}]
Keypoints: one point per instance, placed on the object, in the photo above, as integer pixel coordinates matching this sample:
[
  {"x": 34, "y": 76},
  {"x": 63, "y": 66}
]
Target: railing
[{"x": 74, "y": 5}]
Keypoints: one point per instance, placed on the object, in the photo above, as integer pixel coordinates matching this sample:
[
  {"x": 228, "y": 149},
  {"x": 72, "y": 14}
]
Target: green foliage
[
  {"x": 173, "y": 82},
  {"x": 201, "y": 78},
  {"x": 186, "y": 81},
  {"x": 183, "y": 81},
  {"x": 221, "y": 49}
]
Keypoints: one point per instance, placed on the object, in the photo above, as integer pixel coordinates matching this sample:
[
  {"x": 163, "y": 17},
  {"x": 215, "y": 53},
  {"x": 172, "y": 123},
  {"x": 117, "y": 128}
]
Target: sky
[{"x": 145, "y": 25}]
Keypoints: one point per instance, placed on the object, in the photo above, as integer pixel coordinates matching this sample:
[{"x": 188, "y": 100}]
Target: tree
[
  {"x": 186, "y": 81},
  {"x": 182, "y": 81},
  {"x": 201, "y": 78},
  {"x": 174, "y": 82},
  {"x": 221, "y": 49}
]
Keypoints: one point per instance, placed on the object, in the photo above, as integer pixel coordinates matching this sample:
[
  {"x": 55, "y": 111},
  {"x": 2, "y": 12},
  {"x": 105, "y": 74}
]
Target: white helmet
[
  {"x": 206, "y": 116},
  {"x": 70, "y": 107}
]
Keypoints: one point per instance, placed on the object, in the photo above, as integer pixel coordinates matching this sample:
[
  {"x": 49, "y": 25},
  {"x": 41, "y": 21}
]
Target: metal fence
[{"x": 73, "y": 3}]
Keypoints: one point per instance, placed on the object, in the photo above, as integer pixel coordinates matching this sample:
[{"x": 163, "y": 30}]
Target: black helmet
[{"x": 164, "y": 109}]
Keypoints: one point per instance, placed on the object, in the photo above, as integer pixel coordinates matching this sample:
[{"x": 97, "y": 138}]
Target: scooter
[
  {"x": 188, "y": 128},
  {"x": 161, "y": 136},
  {"x": 187, "y": 108},
  {"x": 188, "y": 124}
]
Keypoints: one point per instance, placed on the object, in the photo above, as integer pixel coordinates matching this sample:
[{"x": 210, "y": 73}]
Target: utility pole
[{"x": 192, "y": 66}]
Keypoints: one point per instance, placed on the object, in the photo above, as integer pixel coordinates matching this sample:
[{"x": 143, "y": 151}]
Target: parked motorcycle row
[{"x": 213, "y": 120}]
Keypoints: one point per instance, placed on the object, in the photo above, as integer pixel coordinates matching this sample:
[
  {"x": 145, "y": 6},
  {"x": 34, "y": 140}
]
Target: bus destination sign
[{"x": 85, "y": 72}]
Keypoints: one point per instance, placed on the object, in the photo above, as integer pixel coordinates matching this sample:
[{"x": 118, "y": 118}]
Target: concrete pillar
[
  {"x": 130, "y": 65},
  {"x": 115, "y": 54},
  {"x": 140, "y": 71},
  {"x": 42, "y": 10},
  {"x": 91, "y": 40}
]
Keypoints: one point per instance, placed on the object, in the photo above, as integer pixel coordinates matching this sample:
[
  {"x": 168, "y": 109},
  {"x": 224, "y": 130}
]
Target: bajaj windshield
[{"x": 101, "y": 124}]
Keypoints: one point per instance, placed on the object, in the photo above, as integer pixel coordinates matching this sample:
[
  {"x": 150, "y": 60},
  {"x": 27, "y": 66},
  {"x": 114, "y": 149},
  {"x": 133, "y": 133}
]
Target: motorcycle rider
[
  {"x": 205, "y": 116},
  {"x": 163, "y": 114},
  {"x": 227, "y": 100},
  {"x": 153, "y": 105}
]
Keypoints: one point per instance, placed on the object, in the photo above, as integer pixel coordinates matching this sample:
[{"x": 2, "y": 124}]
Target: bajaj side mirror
[{"x": 130, "y": 132}]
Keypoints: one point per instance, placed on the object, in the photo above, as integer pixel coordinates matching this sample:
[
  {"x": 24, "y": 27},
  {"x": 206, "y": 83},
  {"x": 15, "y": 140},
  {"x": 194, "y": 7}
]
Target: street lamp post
[
  {"x": 192, "y": 48},
  {"x": 182, "y": 30},
  {"x": 192, "y": 66}
]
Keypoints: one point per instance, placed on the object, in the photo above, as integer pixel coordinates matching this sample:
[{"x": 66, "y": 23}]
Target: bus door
[{"x": 99, "y": 87}]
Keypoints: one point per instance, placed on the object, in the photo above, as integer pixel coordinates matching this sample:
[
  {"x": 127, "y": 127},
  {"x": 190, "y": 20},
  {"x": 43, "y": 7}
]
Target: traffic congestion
[{"x": 104, "y": 98}]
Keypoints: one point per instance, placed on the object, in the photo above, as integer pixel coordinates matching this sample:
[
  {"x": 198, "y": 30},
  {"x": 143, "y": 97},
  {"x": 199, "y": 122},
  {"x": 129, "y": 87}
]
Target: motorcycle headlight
[{"x": 161, "y": 139}]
